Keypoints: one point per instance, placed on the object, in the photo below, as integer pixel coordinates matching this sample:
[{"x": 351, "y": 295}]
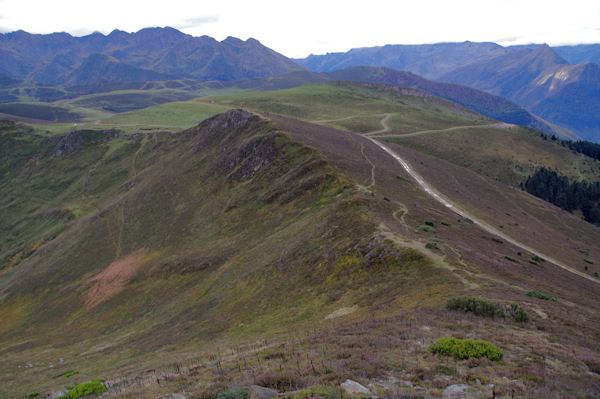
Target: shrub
[
  {"x": 478, "y": 306},
  {"x": 281, "y": 381},
  {"x": 446, "y": 223},
  {"x": 462, "y": 349},
  {"x": 66, "y": 373},
  {"x": 591, "y": 262},
  {"x": 510, "y": 258},
  {"x": 499, "y": 241},
  {"x": 87, "y": 388},
  {"x": 517, "y": 313},
  {"x": 242, "y": 393},
  {"x": 316, "y": 391},
  {"x": 432, "y": 245},
  {"x": 541, "y": 295},
  {"x": 481, "y": 307},
  {"x": 428, "y": 229},
  {"x": 429, "y": 223}
]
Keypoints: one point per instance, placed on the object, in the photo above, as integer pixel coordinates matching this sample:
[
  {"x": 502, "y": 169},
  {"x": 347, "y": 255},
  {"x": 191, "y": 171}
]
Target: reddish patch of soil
[{"x": 112, "y": 280}]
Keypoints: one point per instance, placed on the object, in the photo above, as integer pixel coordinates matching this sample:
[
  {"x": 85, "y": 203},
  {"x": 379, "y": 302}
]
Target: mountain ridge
[
  {"x": 162, "y": 50},
  {"x": 510, "y": 72}
]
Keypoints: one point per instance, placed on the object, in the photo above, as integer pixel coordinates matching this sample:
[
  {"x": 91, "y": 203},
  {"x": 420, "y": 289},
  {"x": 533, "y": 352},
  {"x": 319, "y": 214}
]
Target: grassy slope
[
  {"x": 355, "y": 107},
  {"x": 507, "y": 154},
  {"x": 224, "y": 244},
  {"x": 405, "y": 304},
  {"x": 510, "y": 155}
]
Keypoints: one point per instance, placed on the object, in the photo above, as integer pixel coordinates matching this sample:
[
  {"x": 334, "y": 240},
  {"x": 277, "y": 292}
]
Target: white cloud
[
  {"x": 297, "y": 29},
  {"x": 196, "y": 22}
]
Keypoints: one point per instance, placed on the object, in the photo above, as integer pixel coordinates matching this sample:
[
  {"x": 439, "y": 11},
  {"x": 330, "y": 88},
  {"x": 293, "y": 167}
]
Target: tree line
[
  {"x": 578, "y": 195},
  {"x": 588, "y": 148}
]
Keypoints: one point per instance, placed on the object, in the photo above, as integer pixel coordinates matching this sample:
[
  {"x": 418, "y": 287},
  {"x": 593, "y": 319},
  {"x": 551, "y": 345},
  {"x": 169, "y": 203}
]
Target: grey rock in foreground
[
  {"x": 455, "y": 391},
  {"x": 258, "y": 392},
  {"x": 353, "y": 387}
]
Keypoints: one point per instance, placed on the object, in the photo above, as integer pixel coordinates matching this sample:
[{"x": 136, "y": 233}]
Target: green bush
[
  {"x": 591, "y": 262},
  {"x": 478, "y": 306},
  {"x": 427, "y": 228},
  {"x": 541, "y": 295},
  {"x": 432, "y": 245},
  {"x": 482, "y": 307},
  {"x": 510, "y": 258},
  {"x": 462, "y": 349},
  {"x": 66, "y": 373},
  {"x": 242, "y": 393},
  {"x": 87, "y": 388},
  {"x": 429, "y": 223},
  {"x": 517, "y": 313},
  {"x": 446, "y": 223},
  {"x": 316, "y": 391}
]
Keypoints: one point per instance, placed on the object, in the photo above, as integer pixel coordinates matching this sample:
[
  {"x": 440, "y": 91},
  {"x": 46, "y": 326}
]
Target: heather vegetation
[{"x": 246, "y": 250}]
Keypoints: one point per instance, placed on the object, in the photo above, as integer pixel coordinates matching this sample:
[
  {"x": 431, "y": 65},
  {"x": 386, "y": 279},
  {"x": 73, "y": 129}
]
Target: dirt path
[
  {"x": 448, "y": 204},
  {"x": 384, "y": 124},
  {"x": 347, "y": 118},
  {"x": 362, "y": 150},
  {"x": 450, "y": 129}
]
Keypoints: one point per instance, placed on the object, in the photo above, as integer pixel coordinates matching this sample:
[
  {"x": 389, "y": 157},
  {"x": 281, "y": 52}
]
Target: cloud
[
  {"x": 510, "y": 39},
  {"x": 80, "y": 31},
  {"x": 196, "y": 21},
  {"x": 588, "y": 28}
]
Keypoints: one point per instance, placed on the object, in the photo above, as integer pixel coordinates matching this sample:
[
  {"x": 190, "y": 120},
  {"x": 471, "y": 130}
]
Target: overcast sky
[{"x": 299, "y": 28}]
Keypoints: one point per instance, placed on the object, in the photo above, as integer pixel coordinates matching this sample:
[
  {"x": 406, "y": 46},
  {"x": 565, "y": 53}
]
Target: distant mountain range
[
  {"x": 150, "y": 54},
  {"x": 537, "y": 77}
]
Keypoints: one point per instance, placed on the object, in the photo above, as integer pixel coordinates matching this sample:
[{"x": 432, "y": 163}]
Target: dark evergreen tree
[{"x": 584, "y": 196}]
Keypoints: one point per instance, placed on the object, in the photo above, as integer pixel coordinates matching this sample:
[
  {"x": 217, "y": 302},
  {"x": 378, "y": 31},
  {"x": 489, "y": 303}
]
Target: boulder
[
  {"x": 455, "y": 391},
  {"x": 353, "y": 387},
  {"x": 258, "y": 392}
]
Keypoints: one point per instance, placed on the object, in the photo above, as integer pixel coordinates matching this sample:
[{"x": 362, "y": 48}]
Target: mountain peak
[
  {"x": 233, "y": 41},
  {"x": 549, "y": 56}
]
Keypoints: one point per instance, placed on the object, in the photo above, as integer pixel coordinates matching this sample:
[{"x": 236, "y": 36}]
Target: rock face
[
  {"x": 455, "y": 391},
  {"x": 353, "y": 388},
  {"x": 258, "y": 392}
]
